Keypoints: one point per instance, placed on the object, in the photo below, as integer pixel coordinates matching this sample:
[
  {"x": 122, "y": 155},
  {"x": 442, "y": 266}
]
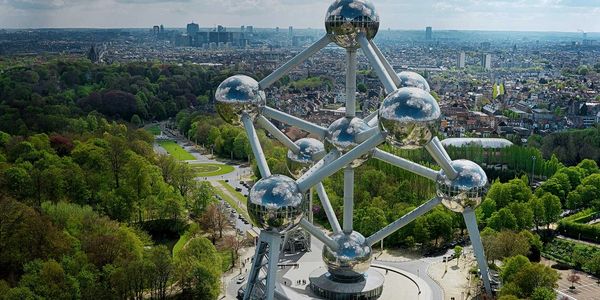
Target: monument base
[{"x": 325, "y": 286}]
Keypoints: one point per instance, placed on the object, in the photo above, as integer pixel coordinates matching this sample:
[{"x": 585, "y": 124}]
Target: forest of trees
[{"x": 87, "y": 209}]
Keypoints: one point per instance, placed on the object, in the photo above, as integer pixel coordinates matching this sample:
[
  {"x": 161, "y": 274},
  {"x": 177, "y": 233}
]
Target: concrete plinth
[{"x": 327, "y": 287}]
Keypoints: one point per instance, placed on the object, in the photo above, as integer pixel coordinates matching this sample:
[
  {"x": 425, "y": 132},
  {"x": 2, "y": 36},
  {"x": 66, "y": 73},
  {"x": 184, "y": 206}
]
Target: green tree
[
  {"x": 594, "y": 265},
  {"x": 370, "y": 220},
  {"x": 198, "y": 268},
  {"x": 503, "y": 219},
  {"x": 539, "y": 212},
  {"x": 543, "y": 293},
  {"x": 523, "y": 214},
  {"x": 552, "y": 209},
  {"x": 512, "y": 266},
  {"x": 48, "y": 280},
  {"x": 457, "y": 253},
  {"x": 202, "y": 195}
]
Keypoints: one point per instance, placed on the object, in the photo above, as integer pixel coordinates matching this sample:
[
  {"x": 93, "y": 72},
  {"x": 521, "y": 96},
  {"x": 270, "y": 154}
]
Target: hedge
[{"x": 575, "y": 226}]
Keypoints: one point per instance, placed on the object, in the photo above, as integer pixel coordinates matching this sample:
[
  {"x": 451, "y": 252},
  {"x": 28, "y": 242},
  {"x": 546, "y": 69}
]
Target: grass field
[
  {"x": 155, "y": 130},
  {"x": 183, "y": 239},
  {"x": 209, "y": 170},
  {"x": 176, "y": 150}
]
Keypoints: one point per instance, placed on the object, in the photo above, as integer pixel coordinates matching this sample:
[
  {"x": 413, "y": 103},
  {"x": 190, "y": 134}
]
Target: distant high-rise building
[
  {"x": 193, "y": 29},
  {"x": 428, "y": 33},
  {"x": 291, "y": 31},
  {"x": 162, "y": 29},
  {"x": 243, "y": 29},
  {"x": 250, "y": 29},
  {"x": 95, "y": 54},
  {"x": 156, "y": 30},
  {"x": 462, "y": 57},
  {"x": 486, "y": 61},
  {"x": 277, "y": 29},
  {"x": 221, "y": 28}
]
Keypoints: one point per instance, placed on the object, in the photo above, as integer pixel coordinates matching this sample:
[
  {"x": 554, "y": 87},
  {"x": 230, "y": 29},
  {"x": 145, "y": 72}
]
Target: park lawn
[
  {"x": 154, "y": 129},
  {"x": 183, "y": 239},
  {"x": 210, "y": 170},
  {"x": 233, "y": 191},
  {"x": 226, "y": 260},
  {"x": 176, "y": 151}
]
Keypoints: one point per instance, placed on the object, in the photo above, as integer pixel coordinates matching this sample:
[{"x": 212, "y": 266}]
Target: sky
[{"x": 506, "y": 15}]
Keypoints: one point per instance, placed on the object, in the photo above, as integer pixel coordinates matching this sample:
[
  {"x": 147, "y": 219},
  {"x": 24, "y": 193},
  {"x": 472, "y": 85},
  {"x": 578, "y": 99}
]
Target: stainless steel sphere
[
  {"x": 412, "y": 79},
  {"x": 343, "y": 136},
  {"x": 352, "y": 259},
  {"x": 236, "y": 95},
  {"x": 465, "y": 191},
  {"x": 346, "y": 19},
  {"x": 409, "y": 116},
  {"x": 311, "y": 151},
  {"x": 276, "y": 204}
]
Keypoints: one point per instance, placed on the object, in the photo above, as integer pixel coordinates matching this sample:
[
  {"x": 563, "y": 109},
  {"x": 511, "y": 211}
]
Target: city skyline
[{"x": 501, "y": 15}]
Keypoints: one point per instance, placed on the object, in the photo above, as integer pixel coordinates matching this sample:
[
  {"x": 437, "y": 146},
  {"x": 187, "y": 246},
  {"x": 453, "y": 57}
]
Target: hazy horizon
[{"x": 562, "y": 16}]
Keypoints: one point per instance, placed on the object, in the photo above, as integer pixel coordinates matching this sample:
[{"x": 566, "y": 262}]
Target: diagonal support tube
[
  {"x": 403, "y": 221},
  {"x": 405, "y": 164},
  {"x": 439, "y": 156},
  {"x": 331, "y": 217},
  {"x": 280, "y": 136},
  {"x": 387, "y": 82},
  {"x": 386, "y": 64},
  {"x": 293, "y": 121},
  {"x": 318, "y": 234},
  {"x": 441, "y": 148},
  {"x": 471, "y": 222},
  {"x": 348, "y": 200},
  {"x": 374, "y": 122},
  {"x": 371, "y": 116},
  {"x": 261, "y": 160},
  {"x": 294, "y": 62},
  {"x": 304, "y": 184},
  {"x": 365, "y": 135}
]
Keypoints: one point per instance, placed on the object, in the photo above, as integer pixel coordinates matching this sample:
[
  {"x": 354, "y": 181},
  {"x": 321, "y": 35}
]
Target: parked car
[{"x": 240, "y": 279}]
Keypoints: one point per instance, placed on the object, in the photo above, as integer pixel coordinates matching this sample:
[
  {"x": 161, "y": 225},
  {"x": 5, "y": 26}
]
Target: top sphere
[
  {"x": 236, "y": 95},
  {"x": 466, "y": 190},
  {"x": 412, "y": 79},
  {"x": 276, "y": 204},
  {"x": 346, "y": 19},
  {"x": 409, "y": 115},
  {"x": 311, "y": 151}
]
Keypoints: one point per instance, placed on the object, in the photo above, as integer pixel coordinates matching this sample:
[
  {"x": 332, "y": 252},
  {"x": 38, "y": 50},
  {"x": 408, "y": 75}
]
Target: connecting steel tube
[
  {"x": 351, "y": 83},
  {"x": 441, "y": 159},
  {"x": 280, "y": 136},
  {"x": 403, "y": 221},
  {"x": 293, "y": 121},
  {"x": 387, "y": 82},
  {"x": 405, "y": 164},
  {"x": 348, "y": 200},
  {"x": 331, "y": 217},
  {"x": 386, "y": 64},
  {"x": 304, "y": 184},
  {"x": 371, "y": 116},
  {"x": 318, "y": 234},
  {"x": 261, "y": 160},
  {"x": 294, "y": 62}
]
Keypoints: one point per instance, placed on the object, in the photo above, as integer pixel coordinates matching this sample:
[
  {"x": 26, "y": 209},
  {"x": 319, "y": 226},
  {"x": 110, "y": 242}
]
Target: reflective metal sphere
[
  {"x": 276, "y": 204},
  {"x": 409, "y": 116},
  {"x": 465, "y": 191},
  {"x": 351, "y": 260},
  {"x": 346, "y": 19},
  {"x": 343, "y": 136},
  {"x": 236, "y": 95},
  {"x": 311, "y": 151},
  {"x": 412, "y": 79}
]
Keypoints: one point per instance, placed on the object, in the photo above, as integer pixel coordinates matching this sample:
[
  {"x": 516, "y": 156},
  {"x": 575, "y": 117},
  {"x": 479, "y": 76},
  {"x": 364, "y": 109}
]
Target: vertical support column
[
  {"x": 471, "y": 222},
  {"x": 274, "y": 245},
  {"x": 351, "y": 83},
  {"x": 311, "y": 198},
  {"x": 348, "y": 199}
]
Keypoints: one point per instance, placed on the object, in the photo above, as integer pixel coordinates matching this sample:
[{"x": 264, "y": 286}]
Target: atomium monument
[{"x": 407, "y": 118}]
